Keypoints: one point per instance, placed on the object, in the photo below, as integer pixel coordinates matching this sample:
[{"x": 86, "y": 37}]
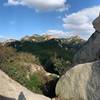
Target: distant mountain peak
[{"x": 49, "y": 37}]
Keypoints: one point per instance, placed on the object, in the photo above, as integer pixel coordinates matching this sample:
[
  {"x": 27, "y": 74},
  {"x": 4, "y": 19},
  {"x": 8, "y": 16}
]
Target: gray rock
[
  {"x": 96, "y": 23},
  {"x": 90, "y": 51},
  {"x": 82, "y": 82}
]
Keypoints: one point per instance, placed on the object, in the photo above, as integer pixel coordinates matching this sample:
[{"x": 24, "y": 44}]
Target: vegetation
[
  {"x": 13, "y": 64},
  {"x": 54, "y": 55},
  {"x": 34, "y": 83}
]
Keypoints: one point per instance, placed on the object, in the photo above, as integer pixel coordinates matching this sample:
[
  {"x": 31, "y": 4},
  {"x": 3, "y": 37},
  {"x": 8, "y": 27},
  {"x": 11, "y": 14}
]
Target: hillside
[
  {"x": 54, "y": 55},
  {"x": 37, "y": 64}
]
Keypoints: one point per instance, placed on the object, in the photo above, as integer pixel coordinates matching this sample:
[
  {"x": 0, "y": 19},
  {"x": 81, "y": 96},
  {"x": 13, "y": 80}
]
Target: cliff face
[{"x": 91, "y": 50}]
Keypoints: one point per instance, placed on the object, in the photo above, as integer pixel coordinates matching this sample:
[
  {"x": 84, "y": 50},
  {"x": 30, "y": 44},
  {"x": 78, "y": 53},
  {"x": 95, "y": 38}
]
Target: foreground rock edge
[
  {"x": 11, "y": 89},
  {"x": 82, "y": 82}
]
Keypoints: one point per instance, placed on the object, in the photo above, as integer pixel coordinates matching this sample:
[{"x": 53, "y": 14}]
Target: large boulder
[
  {"x": 11, "y": 90},
  {"x": 91, "y": 49},
  {"x": 82, "y": 82}
]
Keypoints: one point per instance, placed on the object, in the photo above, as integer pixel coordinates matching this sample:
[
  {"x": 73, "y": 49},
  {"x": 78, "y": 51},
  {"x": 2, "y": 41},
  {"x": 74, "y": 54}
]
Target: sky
[{"x": 62, "y": 18}]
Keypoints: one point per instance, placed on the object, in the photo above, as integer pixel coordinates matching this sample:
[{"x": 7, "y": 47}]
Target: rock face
[
  {"x": 34, "y": 68},
  {"x": 11, "y": 90},
  {"x": 96, "y": 23},
  {"x": 82, "y": 82},
  {"x": 91, "y": 50}
]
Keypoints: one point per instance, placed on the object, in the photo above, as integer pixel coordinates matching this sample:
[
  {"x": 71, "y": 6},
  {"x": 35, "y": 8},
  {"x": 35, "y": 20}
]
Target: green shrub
[{"x": 34, "y": 83}]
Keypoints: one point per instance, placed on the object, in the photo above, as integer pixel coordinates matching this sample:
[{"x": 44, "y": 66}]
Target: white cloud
[
  {"x": 44, "y": 5},
  {"x": 80, "y": 23},
  {"x": 57, "y": 33},
  {"x": 12, "y": 2}
]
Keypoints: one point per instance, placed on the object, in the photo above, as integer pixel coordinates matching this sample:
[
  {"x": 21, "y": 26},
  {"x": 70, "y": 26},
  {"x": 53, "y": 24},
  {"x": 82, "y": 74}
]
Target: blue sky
[{"x": 19, "y": 18}]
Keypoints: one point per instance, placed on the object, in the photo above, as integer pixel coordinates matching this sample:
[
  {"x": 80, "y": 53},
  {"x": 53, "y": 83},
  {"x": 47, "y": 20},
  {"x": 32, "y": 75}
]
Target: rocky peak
[
  {"x": 91, "y": 49},
  {"x": 96, "y": 23},
  {"x": 49, "y": 37}
]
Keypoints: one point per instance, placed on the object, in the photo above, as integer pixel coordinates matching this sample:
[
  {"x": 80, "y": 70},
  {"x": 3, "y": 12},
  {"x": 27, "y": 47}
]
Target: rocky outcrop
[
  {"x": 11, "y": 90},
  {"x": 34, "y": 68},
  {"x": 82, "y": 82},
  {"x": 91, "y": 50},
  {"x": 96, "y": 23}
]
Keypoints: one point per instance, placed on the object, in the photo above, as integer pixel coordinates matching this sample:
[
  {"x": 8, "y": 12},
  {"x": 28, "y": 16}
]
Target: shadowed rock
[
  {"x": 6, "y": 98},
  {"x": 21, "y": 96}
]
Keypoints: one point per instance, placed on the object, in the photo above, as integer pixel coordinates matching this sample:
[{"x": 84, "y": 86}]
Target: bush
[
  {"x": 34, "y": 83},
  {"x": 60, "y": 64}
]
